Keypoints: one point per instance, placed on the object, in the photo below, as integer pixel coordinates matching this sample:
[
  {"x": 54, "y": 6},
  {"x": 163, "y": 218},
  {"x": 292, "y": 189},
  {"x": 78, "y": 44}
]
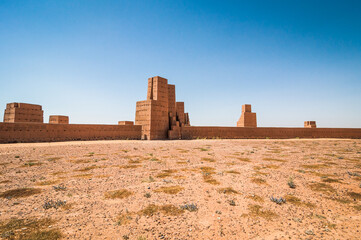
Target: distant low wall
[
  {"x": 40, "y": 132},
  {"x": 241, "y": 132}
]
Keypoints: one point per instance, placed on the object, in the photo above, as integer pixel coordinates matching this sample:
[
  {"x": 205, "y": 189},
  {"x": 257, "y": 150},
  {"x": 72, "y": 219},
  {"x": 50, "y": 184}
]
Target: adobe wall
[
  {"x": 239, "y": 133},
  {"x": 40, "y": 132}
]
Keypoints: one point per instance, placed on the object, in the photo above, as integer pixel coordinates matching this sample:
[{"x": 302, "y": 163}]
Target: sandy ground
[{"x": 229, "y": 181}]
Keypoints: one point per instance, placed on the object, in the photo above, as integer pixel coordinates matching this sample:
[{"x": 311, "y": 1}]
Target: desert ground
[{"x": 194, "y": 189}]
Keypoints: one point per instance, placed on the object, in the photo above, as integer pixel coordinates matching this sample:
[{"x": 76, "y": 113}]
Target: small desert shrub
[
  {"x": 122, "y": 193},
  {"x": 32, "y": 163},
  {"x": 147, "y": 195},
  {"x": 189, "y": 207},
  {"x": 170, "y": 190},
  {"x": 290, "y": 183},
  {"x": 53, "y": 204},
  {"x": 59, "y": 188},
  {"x": 354, "y": 174},
  {"x": 279, "y": 201},
  {"x": 53, "y": 159},
  {"x": 20, "y": 192},
  {"x": 232, "y": 202}
]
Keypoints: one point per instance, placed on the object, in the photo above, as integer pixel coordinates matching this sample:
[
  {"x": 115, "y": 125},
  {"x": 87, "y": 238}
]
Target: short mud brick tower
[
  {"x": 23, "y": 112},
  {"x": 160, "y": 115},
  {"x": 310, "y": 124},
  {"x": 248, "y": 118},
  {"x": 58, "y": 119}
]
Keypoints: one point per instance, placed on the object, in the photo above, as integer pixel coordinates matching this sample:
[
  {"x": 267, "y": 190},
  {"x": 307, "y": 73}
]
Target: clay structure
[
  {"x": 125, "y": 123},
  {"x": 58, "y": 119},
  {"x": 310, "y": 124},
  {"x": 23, "y": 112},
  {"x": 160, "y": 116},
  {"x": 248, "y": 118}
]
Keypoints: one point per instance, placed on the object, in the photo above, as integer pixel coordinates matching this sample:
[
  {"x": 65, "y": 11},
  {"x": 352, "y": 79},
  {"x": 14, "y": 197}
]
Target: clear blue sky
[{"x": 292, "y": 60}]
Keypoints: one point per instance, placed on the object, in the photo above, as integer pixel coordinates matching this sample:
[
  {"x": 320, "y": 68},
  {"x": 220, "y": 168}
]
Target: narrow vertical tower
[{"x": 248, "y": 118}]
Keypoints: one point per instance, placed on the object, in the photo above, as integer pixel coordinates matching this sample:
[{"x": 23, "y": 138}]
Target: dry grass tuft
[
  {"x": 274, "y": 160},
  {"x": 297, "y": 201},
  {"x": 20, "y": 192},
  {"x": 227, "y": 190},
  {"x": 314, "y": 166},
  {"x": 45, "y": 183},
  {"x": 354, "y": 195},
  {"x": 272, "y": 166},
  {"x": 259, "y": 181},
  {"x": 256, "y": 198},
  {"x": 125, "y": 218},
  {"x": 130, "y": 166},
  {"x": 30, "y": 229},
  {"x": 166, "y": 173},
  {"x": 84, "y": 175},
  {"x": 122, "y": 193},
  {"x": 150, "y": 210},
  {"x": 181, "y": 162},
  {"x": 88, "y": 168},
  {"x": 134, "y": 161},
  {"x": 168, "y": 209},
  {"x": 256, "y": 211},
  {"x": 171, "y": 210},
  {"x": 244, "y": 159},
  {"x": 208, "y": 159},
  {"x": 322, "y": 187},
  {"x": 53, "y": 159},
  {"x": 170, "y": 190},
  {"x": 331, "y": 180}
]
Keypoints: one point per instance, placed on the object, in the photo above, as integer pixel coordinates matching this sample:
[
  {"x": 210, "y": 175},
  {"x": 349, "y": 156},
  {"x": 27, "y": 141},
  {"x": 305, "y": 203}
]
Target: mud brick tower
[
  {"x": 23, "y": 112},
  {"x": 160, "y": 115},
  {"x": 248, "y": 118},
  {"x": 58, "y": 119},
  {"x": 310, "y": 124}
]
